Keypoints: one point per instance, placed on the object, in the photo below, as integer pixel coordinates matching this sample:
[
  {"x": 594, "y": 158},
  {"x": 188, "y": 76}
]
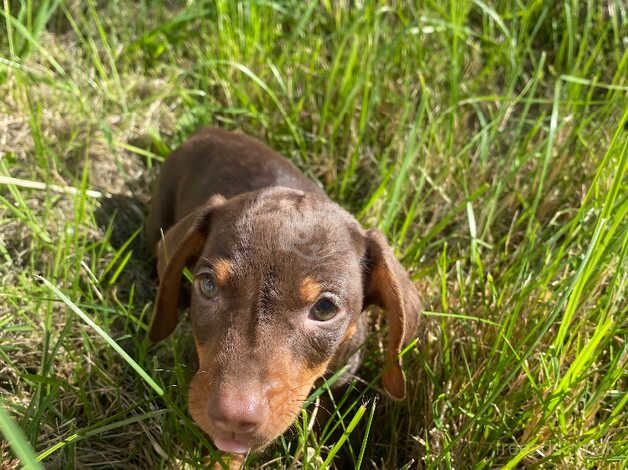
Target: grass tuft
[{"x": 487, "y": 139}]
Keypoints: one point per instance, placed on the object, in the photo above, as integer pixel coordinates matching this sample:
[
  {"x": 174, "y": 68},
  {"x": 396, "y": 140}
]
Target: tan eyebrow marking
[
  {"x": 222, "y": 269},
  {"x": 309, "y": 290}
]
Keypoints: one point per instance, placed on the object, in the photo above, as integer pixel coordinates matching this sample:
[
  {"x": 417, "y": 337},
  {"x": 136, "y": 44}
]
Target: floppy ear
[
  {"x": 180, "y": 246},
  {"x": 388, "y": 285}
]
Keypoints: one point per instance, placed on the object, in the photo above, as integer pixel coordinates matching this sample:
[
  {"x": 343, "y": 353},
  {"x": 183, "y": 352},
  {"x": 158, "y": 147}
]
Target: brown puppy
[{"x": 281, "y": 278}]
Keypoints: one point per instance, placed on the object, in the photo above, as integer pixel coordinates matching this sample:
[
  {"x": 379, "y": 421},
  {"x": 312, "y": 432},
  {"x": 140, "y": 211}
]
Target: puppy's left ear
[{"x": 388, "y": 285}]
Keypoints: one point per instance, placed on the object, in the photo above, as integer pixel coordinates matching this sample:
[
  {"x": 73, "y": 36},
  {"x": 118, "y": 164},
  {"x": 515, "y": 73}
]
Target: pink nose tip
[{"x": 238, "y": 411}]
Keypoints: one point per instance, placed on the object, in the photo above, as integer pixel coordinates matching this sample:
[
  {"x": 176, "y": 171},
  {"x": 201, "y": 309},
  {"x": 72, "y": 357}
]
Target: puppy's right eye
[
  {"x": 324, "y": 309},
  {"x": 207, "y": 284}
]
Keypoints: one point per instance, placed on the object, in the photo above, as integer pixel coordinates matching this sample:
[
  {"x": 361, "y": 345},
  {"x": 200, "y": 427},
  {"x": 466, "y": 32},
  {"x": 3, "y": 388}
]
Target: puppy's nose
[{"x": 238, "y": 410}]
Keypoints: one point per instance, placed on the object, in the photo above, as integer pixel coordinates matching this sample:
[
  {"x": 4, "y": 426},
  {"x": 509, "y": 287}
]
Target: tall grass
[{"x": 487, "y": 139}]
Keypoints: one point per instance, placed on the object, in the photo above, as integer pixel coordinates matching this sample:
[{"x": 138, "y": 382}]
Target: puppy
[{"x": 282, "y": 276}]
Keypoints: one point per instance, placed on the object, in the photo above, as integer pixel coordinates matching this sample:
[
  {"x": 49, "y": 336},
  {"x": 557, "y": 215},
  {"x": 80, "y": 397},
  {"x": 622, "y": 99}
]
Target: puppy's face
[
  {"x": 280, "y": 280},
  {"x": 276, "y": 288}
]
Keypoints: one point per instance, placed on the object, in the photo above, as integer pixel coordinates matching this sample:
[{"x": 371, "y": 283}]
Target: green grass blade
[
  {"x": 128, "y": 359},
  {"x": 16, "y": 439}
]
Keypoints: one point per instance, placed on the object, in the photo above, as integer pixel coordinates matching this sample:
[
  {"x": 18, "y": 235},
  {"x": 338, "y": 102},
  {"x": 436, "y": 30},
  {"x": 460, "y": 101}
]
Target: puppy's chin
[
  {"x": 233, "y": 443},
  {"x": 236, "y": 443}
]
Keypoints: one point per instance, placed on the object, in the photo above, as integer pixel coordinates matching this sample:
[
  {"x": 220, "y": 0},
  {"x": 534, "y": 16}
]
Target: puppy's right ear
[
  {"x": 180, "y": 247},
  {"x": 389, "y": 286}
]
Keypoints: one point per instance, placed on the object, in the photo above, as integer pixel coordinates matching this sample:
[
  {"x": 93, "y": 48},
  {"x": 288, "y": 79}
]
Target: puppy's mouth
[{"x": 233, "y": 443}]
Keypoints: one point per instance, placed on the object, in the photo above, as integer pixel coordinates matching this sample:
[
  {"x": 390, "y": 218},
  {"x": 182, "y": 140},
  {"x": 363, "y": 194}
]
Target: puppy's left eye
[
  {"x": 207, "y": 284},
  {"x": 324, "y": 309}
]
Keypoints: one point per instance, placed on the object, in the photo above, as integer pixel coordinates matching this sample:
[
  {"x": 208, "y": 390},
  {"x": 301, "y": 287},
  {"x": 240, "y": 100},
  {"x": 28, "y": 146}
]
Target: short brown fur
[{"x": 350, "y": 332}]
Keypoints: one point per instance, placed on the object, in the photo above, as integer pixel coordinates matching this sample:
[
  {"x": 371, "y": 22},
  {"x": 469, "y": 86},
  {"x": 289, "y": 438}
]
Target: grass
[{"x": 488, "y": 140}]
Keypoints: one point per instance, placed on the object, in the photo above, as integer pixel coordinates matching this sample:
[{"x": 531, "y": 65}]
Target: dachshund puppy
[{"x": 282, "y": 276}]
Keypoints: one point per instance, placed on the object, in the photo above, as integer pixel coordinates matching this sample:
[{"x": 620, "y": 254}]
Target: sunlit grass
[{"x": 488, "y": 140}]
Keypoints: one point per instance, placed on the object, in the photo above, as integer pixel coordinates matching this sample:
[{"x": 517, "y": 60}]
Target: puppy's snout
[{"x": 238, "y": 410}]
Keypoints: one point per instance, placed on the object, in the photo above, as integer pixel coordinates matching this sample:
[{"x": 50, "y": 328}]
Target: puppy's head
[{"x": 280, "y": 280}]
